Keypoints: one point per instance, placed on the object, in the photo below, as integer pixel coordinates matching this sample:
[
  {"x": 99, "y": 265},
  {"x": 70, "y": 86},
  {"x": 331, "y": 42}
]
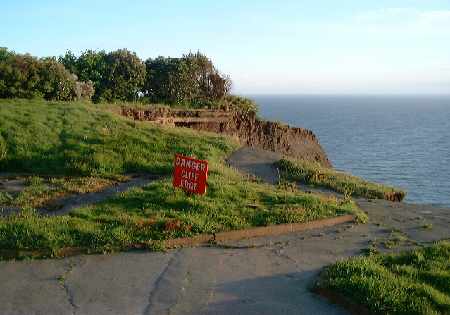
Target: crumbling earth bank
[{"x": 250, "y": 130}]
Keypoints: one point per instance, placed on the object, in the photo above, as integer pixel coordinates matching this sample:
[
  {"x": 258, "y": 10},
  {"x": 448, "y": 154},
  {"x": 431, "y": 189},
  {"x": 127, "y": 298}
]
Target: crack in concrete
[
  {"x": 70, "y": 299},
  {"x": 62, "y": 280},
  {"x": 151, "y": 302}
]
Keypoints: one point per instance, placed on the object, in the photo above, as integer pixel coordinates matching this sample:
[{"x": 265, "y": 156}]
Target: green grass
[
  {"x": 83, "y": 139},
  {"x": 414, "y": 282},
  {"x": 79, "y": 140},
  {"x": 315, "y": 175}
]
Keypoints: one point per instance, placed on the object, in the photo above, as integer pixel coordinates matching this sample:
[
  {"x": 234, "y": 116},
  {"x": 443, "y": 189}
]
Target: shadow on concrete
[{"x": 277, "y": 294}]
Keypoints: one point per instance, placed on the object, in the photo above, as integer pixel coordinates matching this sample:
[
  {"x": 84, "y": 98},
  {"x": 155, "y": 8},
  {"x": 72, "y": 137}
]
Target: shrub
[
  {"x": 124, "y": 76},
  {"x": 239, "y": 103},
  {"x": 19, "y": 75},
  {"x": 25, "y": 76},
  {"x": 191, "y": 79},
  {"x": 89, "y": 66},
  {"x": 84, "y": 90},
  {"x": 55, "y": 82}
]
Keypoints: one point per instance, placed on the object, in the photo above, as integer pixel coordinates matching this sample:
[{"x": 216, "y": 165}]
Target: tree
[
  {"x": 192, "y": 78},
  {"x": 124, "y": 76},
  {"x": 19, "y": 75},
  {"x": 70, "y": 62},
  {"x": 170, "y": 80},
  {"x": 90, "y": 66},
  {"x": 55, "y": 82}
]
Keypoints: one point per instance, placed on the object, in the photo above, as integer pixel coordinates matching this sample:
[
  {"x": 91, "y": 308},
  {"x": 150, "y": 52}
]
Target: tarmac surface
[{"x": 270, "y": 275}]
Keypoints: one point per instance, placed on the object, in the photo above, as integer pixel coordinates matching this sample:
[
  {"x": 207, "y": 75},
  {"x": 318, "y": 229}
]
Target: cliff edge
[{"x": 246, "y": 127}]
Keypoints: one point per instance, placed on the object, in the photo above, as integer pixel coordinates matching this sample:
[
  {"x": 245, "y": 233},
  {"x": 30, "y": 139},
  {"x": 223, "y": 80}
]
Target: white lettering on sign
[
  {"x": 189, "y": 175},
  {"x": 188, "y": 185},
  {"x": 190, "y": 164}
]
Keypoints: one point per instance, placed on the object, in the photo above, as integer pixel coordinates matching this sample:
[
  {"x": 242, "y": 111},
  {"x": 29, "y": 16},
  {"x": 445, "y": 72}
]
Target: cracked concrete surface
[{"x": 269, "y": 275}]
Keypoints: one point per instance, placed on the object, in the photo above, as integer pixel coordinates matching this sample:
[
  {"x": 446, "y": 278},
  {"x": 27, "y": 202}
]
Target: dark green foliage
[
  {"x": 55, "y": 82},
  {"x": 118, "y": 75},
  {"x": 190, "y": 79},
  {"x": 124, "y": 76},
  {"x": 69, "y": 60},
  {"x": 89, "y": 66},
  {"x": 4, "y": 53},
  {"x": 25, "y": 76},
  {"x": 19, "y": 76},
  {"x": 415, "y": 282}
]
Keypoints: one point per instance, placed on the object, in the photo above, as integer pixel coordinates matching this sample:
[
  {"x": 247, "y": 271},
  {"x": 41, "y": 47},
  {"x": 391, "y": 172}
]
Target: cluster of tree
[
  {"x": 118, "y": 75},
  {"x": 191, "y": 78},
  {"x": 25, "y": 76},
  {"x": 121, "y": 75}
]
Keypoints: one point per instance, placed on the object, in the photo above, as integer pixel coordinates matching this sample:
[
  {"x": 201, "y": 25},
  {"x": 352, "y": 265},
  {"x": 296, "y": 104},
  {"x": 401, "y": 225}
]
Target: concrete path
[
  {"x": 70, "y": 202},
  {"x": 270, "y": 275},
  {"x": 256, "y": 162}
]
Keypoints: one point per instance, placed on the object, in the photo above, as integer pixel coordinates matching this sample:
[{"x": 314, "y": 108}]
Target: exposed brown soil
[
  {"x": 251, "y": 131},
  {"x": 271, "y": 230}
]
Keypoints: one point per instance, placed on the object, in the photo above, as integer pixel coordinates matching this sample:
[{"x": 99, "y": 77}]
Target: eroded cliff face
[{"x": 251, "y": 131}]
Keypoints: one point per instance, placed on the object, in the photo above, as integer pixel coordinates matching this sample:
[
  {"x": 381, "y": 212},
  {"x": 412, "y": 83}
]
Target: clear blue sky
[{"x": 346, "y": 46}]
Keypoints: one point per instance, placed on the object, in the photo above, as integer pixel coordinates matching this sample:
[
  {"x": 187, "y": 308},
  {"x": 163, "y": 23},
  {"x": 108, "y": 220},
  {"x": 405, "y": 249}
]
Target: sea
[{"x": 397, "y": 140}]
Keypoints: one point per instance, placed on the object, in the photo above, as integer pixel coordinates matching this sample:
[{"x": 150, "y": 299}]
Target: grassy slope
[
  {"x": 81, "y": 139},
  {"x": 415, "y": 282},
  {"x": 72, "y": 138},
  {"x": 315, "y": 175}
]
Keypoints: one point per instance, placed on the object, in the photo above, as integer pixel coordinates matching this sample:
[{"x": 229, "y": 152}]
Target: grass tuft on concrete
[
  {"x": 313, "y": 174},
  {"x": 413, "y": 282}
]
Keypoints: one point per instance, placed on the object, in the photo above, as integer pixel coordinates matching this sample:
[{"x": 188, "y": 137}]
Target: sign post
[{"x": 190, "y": 174}]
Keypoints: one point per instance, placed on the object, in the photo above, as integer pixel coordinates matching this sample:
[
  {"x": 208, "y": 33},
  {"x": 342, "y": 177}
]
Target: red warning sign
[{"x": 190, "y": 174}]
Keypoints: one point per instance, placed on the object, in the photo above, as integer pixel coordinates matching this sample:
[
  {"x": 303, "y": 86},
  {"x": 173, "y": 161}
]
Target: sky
[{"x": 266, "y": 47}]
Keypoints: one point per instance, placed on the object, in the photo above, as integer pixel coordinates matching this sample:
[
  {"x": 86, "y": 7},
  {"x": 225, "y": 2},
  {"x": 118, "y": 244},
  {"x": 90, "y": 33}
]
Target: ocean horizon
[{"x": 400, "y": 140}]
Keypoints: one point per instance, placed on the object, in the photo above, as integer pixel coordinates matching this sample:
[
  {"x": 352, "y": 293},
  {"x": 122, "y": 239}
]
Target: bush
[
  {"x": 124, "y": 76},
  {"x": 55, "y": 82},
  {"x": 84, "y": 90},
  {"x": 239, "y": 103},
  {"x": 118, "y": 75},
  {"x": 25, "y": 76},
  {"x": 192, "y": 79},
  {"x": 19, "y": 75},
  {"x": 89, "y": 66}
]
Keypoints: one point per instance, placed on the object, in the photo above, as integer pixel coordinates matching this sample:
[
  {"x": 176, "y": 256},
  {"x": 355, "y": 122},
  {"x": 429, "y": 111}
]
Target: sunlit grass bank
[
  {"x": 315, "y": 175},
  {"x": 415, "y": 282}
]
